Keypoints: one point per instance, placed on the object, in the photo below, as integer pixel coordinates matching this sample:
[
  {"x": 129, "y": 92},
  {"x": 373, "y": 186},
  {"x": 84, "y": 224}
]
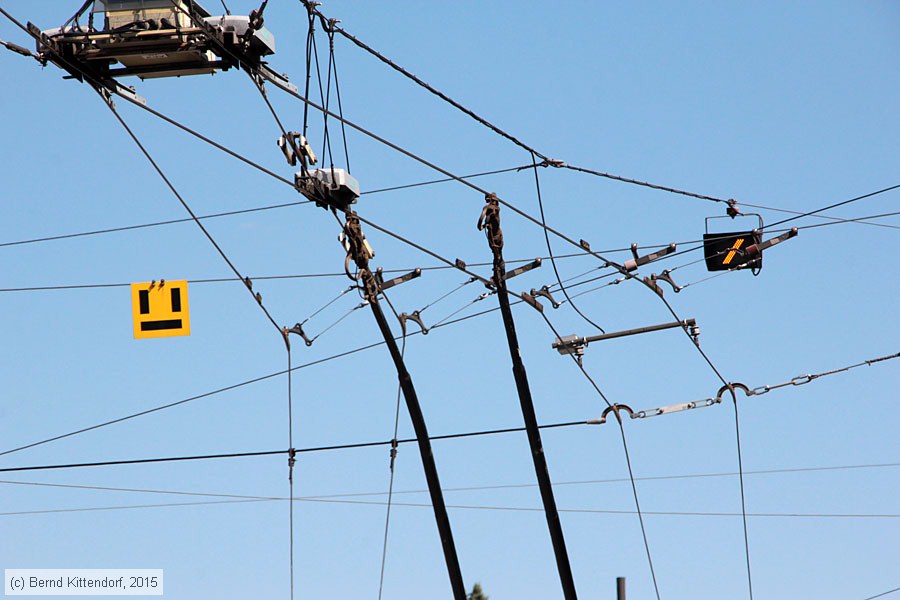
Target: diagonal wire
[
  {"x": 188, "y": 209},
  {"x": 394, "y": 442},
  {"x": 330, "y": 302},
  {"x": 835, "y": 205},
  {"x": 537, "y": 183},
  {"x": 631, "y": 477},
  {"x": 883, "y": 594}
]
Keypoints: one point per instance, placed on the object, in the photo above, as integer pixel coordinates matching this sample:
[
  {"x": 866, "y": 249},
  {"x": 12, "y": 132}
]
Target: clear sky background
[{"x": 785, "y": 105}]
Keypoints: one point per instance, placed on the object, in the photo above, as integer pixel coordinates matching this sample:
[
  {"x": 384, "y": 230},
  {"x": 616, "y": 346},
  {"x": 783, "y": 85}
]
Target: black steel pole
[
  {"x": 491, "y": 222},
  {"x": 418, "y": 421},
  {"x": 620, "y": 588}
]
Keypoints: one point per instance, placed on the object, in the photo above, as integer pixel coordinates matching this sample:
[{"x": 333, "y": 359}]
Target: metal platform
[{"x": 159, "y": 38}]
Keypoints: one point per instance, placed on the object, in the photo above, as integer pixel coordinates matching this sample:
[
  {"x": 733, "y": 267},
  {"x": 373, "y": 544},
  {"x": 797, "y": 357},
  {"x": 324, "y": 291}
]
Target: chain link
[
  {"x": 804, "y": 379},
  {"x": 757, "y": 391}
]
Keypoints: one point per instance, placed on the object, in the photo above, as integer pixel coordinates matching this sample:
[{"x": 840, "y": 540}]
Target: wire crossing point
[{"x": 160, "y": 309}]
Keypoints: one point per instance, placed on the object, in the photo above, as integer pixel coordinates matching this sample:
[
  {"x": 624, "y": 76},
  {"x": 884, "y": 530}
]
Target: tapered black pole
[
  {"x": 359, "y": 254},
  {"x": 490, "y": 222}
]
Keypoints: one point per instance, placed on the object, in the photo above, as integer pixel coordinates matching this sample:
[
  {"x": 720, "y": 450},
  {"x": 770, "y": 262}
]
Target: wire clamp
[
  {"x": 523, "y": 269},
  {"x": 292, "y": 453},
  {"x": 106, "y": 95},
  {"x": 572, "y": 345},
  {"x": 637, "y": 261},
  {"x": 545, "y": 292},
  {"x": 298, "y": 330},
  {"x": 667, "y": 277},
  {"x": 384, "y": 285},
  {"x": 394, "y": 447},
  {"x": 415, "y": 317},
  {"x": 294, "y": 145},
  {"x": 615, "y": 408},
  {"x": 755, "y": 250},
  {"x": 530, "y": 300},
  {"x": 730, "y": 387},
  {"x": 651, "y": 283}
]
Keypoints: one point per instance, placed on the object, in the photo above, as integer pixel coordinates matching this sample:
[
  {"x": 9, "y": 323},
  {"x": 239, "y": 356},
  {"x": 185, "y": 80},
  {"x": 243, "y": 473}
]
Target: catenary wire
[
  {"x": 674, "y": 477},
  {"x": 883, "y": 594},
  {"x": 189, "y": 210},
  {"x": 714, "y": 199},
  {"x": 521, "y": 509},
  {"x": 835, "y": 205},
  {"x": 253, "y": 210},
  {"x": 537, "y": 184},
  {"x": 469, "y": 184},
  {"x": 231, "y": 387},
  {"x": 711, "y": 365},
  {"x": 141, "y": 461},
  {"x": 637, "y": 503},
  {"x": 154, "y": 224}
]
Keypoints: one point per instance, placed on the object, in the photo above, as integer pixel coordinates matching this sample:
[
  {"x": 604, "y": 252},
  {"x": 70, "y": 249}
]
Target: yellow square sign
[{"x": 160, "y": 309}]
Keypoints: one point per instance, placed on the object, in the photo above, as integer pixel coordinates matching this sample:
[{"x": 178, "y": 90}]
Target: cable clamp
[
  {"x": 730, "y": 387},
  {"x": 755, "y": 250},
  {"x": 545, "y": 292},
  {"x": 278, "y": 79},
  {"x": 415, "y": 317},
  {"x": 732, "y": 210},
  {"x": 523, "y": 269},
  {"x": 131, "y": 94},
  {"x": 529, "y": 299},
  {"x": 572, "y": 345},
  {"x": 294, "y": 145},
  {"x": 384, "y": 285},
  {"x": 298, "y": 330},
  {"x": 292, "y": 453},
  {"x": 667, "y": 277},
  {"x": 802, "y": 379},
  {"x": 637, "y": 261},
  {"x": 615, "y": 408},
  {"x": 106, "y": 95},
  {"x": 651, "y": 283}
]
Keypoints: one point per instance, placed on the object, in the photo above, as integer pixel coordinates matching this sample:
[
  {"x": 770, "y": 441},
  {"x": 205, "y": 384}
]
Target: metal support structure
[
  {"x": 572, "y": 344},
  {"x": 620, "y": 588},
  {"x": 360, "y": 252},
  {"x": 490, "y": 223}
]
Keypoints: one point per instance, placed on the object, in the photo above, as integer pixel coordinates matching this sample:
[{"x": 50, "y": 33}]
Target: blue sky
[{"x": 783, "y": 105}]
